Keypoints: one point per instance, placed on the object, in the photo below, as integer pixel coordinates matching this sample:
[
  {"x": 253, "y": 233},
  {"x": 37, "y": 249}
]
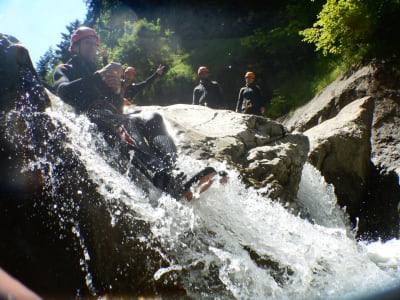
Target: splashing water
[
  {"x": 317, "y": 200},
  {"x": 232, "y": 242}
]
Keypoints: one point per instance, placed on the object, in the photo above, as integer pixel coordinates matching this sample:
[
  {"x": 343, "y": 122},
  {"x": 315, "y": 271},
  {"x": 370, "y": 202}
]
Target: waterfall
[{"x": 232, "y": 242}]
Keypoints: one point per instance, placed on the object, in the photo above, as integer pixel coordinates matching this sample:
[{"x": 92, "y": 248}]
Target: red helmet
[
  {"x": 81, "y": 33},
  {"x": 250, "y": 75},
  {"x": 130, "y": 70},
  {"x": 202, "y": 69}
]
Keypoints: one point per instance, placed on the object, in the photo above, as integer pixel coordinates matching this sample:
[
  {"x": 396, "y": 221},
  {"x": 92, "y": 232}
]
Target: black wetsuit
[
  {"x": 78, "y": 84},
  {"x": 208, "y": 93},
  {"x": 250, "y": 100}
]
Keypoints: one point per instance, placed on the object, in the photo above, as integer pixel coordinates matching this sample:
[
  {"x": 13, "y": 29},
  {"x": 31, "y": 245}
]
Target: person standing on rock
[
  {"x": 207, "y": 92},
  {"x": 250, "y": 100},
  {"x": 97, "y": 92}
]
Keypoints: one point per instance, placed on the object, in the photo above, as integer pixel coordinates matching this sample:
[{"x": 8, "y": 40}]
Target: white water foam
[{"x": 209, "y": 238}]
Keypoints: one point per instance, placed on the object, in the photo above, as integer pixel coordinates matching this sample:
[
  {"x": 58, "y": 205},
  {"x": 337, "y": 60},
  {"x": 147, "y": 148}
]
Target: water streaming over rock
[{"x": 232, "y": 243}]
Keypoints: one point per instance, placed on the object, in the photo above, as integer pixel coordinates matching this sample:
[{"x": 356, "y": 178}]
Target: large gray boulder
[
  {"x": 340, "y": 149},
  {"x": 328, "y": 103},
  {"x": 267, "y": 156},
  {"x": 356, "y": 145}
]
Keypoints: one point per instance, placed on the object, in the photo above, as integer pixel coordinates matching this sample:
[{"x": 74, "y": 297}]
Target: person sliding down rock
[{"x": 97, "y": 93}]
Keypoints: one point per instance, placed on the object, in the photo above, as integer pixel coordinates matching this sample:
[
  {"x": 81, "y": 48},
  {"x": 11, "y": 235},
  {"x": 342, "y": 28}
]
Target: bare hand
[
  {"x": 111, "y": 75},
  {"x": 160, "y": 69}
]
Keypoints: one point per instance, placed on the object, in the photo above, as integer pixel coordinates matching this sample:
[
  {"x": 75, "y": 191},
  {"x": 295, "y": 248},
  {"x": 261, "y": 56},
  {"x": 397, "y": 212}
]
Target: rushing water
[{"x": 232, "y": 242}]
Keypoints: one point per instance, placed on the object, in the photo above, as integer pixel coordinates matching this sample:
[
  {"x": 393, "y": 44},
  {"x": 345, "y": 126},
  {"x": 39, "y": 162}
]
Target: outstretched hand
[
  {"x": 160, "y": 69},
  {"x": 111, "y": 75}
]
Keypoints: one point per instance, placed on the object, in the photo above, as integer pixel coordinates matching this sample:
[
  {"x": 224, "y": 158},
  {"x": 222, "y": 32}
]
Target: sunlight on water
[
  {"x": 232, "y": 242},
  {"x": 317, "y": 200},
  {"x": 386, "y": 255}
]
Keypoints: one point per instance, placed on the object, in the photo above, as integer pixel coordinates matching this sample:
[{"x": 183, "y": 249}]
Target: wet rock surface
[{"x": 354, "y": 125}]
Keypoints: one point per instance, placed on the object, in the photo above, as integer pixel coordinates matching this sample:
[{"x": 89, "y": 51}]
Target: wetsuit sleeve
[
  {"x": 240, "y": 101},
  {"x": 135, "y": 88},
  {"x": 196, "y": 96},
  {"x": 79, "y": 92},
  {"x": 258, "y": 97}
]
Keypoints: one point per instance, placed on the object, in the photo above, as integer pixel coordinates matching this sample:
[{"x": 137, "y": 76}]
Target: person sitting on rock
[{"x": 97, "y": 93}]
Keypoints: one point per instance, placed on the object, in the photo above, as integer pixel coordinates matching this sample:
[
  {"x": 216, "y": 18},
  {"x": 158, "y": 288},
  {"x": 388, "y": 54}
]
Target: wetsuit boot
[{"x": 180, "y": 188}]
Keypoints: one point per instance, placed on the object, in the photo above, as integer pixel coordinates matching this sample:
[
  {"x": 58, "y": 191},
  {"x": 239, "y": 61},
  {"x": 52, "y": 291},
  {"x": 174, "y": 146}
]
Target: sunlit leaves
[{"x": 348, "y": 28}]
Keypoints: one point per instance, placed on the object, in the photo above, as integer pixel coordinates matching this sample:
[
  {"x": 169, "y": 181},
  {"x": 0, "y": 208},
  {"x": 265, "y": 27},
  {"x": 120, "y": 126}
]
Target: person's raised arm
[{"x": 134, "y": 88}]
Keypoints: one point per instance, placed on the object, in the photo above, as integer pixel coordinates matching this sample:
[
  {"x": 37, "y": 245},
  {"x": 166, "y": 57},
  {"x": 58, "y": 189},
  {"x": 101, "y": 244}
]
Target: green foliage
[
  {"x": 177, "y": 84},
  {"x": 51, "y": 58},
  {"x": 343, "y": 27},
  {"x": 277, "y": 105},
  {"x": 145, "y": 45},
  {"x": 234, "y": 37},
  {"x": 348, "y": 28},
  {"x": 45, "y": 64},
  {"x": 303, "y": 86}
]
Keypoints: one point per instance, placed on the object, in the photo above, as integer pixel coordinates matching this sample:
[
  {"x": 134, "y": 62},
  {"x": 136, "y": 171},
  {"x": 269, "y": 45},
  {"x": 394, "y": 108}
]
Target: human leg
[
  {"x": 169, "y": 179},
  {"x": 155, "y": 131},
  {"x": 158, "y": 155}
]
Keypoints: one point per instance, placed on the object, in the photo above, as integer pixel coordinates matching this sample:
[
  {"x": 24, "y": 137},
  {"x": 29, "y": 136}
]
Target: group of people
[
  {"x": 209, "y": 93},
  {"x": 99, "y": 93},
  {"x": 102, "y": 92}
]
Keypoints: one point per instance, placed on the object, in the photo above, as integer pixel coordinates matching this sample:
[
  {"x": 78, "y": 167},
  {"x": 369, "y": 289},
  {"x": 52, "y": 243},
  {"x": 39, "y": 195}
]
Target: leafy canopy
[
  {"x": 352, "y": 29},
  {"x": 232, "y": 37}
]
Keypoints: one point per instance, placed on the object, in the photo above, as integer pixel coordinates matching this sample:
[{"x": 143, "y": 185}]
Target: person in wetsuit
[
  {"x": 250, "y": 100},
  {"x": 207, "y": 92},
  {"x": 130, "y": 89},
  {"x": 97, "y": 92}
]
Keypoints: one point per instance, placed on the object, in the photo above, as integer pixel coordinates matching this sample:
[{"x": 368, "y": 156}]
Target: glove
[{"x": 111, "y": 75}]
